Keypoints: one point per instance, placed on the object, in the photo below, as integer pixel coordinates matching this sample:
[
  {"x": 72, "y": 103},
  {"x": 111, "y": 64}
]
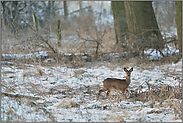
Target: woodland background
[{"x": 55, "y": 54}]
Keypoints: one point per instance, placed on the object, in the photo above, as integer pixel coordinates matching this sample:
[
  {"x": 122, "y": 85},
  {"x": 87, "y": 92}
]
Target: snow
[
  {"x": 73, "y": 109},
  {"x": 84, "y": 107},
  {"x": 40, "y": 54}
]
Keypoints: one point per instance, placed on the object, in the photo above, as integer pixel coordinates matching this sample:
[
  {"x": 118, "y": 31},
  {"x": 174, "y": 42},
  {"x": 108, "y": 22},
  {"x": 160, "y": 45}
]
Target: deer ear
[
  {"x": 125, "y": 70},
  {"x": 131, "y": 69}
]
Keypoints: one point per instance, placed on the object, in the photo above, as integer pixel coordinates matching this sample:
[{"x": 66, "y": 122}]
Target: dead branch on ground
[{"x": 19, "y": 96}]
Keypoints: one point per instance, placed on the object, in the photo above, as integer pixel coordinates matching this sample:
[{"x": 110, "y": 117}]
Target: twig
[
  {"x": 130, "y": 32},
  {"x": 89, "y": 40},
  {"x": 147, "y": 30},
  {"x": 9, "y": 88},
  {"x": 47, "y": 112},
  {"x": 88, "y": 7},
  {"x": 46, "y": 41}
]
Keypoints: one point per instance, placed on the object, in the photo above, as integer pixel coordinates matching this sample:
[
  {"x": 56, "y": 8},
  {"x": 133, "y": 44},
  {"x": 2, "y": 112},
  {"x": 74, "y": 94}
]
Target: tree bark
[
  {"x": 141, "y": 19},
  {"x": 81, "y": 8},
  {"x": 15, "y": 16},
  {"x": 59, "y": 33},
  {"x": 65, "y": 9},
  {"x": 143, "y": 27},
  {"x": 51, "y": 8},
  {"x": 119, "y": 19},
  {"x": 178, "y": 7},
  {"x": 4, "y": 13}
]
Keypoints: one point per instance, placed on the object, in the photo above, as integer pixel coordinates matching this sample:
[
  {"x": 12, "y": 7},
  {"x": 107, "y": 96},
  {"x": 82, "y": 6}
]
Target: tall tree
[
  {"x": 50, "y": 8},
  {"x": 81, "y": 8},
  {"x": 4, "y": 12},
  {"x": 119, "y": 19},
  {"x": 15, "y": 16},
  {"x": 65, "y": 9},
  {"x": 178, "y": 5},
  {"x": 141, "y": 20}
]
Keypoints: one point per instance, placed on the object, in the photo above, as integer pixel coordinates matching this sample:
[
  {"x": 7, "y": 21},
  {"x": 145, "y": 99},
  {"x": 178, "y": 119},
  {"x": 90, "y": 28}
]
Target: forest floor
[{"x": 55, "y": 92}]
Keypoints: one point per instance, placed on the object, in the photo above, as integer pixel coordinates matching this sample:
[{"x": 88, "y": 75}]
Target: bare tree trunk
[
  {"x": 140, "y": 17},
  {"x": 4, "y": 13},
  {"x": 142, "y": 22},
  {"x": 179, "y": 25},
  {"x": 65, "y": 9},
  {"x": 59, "y": 33},
  {"x": 15, "y": 16},
  {"x": 119, "y": 19},
  {"x": 80, "y": 6},
  {"x": 51, "y": 8}
]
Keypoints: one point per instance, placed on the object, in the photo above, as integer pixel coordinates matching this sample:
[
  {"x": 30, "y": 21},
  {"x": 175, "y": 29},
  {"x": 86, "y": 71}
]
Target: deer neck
[{"x": 128, "y": 80}]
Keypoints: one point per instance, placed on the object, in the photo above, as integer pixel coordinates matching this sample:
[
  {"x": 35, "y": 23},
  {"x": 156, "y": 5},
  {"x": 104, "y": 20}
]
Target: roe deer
[{"x": 118, "y": 84}]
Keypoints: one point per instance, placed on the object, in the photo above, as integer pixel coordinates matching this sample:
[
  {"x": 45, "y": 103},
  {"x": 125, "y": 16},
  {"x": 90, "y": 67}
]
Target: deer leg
[
  {"x": 100, "y": 91},
  {"x": 123, "y": 95},
  {"x": 126, "y": 91},
  {"x": 107, "y": 95}
]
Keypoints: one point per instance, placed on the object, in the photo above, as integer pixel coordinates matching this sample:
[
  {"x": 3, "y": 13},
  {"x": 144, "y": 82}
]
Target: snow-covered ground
[{"x": 79, "y": 104}]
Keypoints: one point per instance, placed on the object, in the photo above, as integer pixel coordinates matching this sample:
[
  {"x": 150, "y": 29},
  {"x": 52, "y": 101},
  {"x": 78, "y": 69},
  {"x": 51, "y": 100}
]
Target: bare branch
[{"x": 46, "y": 41}]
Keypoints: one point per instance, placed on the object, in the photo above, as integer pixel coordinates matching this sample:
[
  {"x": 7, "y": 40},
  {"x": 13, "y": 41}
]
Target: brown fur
[{"x": 117, "y": 84}]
